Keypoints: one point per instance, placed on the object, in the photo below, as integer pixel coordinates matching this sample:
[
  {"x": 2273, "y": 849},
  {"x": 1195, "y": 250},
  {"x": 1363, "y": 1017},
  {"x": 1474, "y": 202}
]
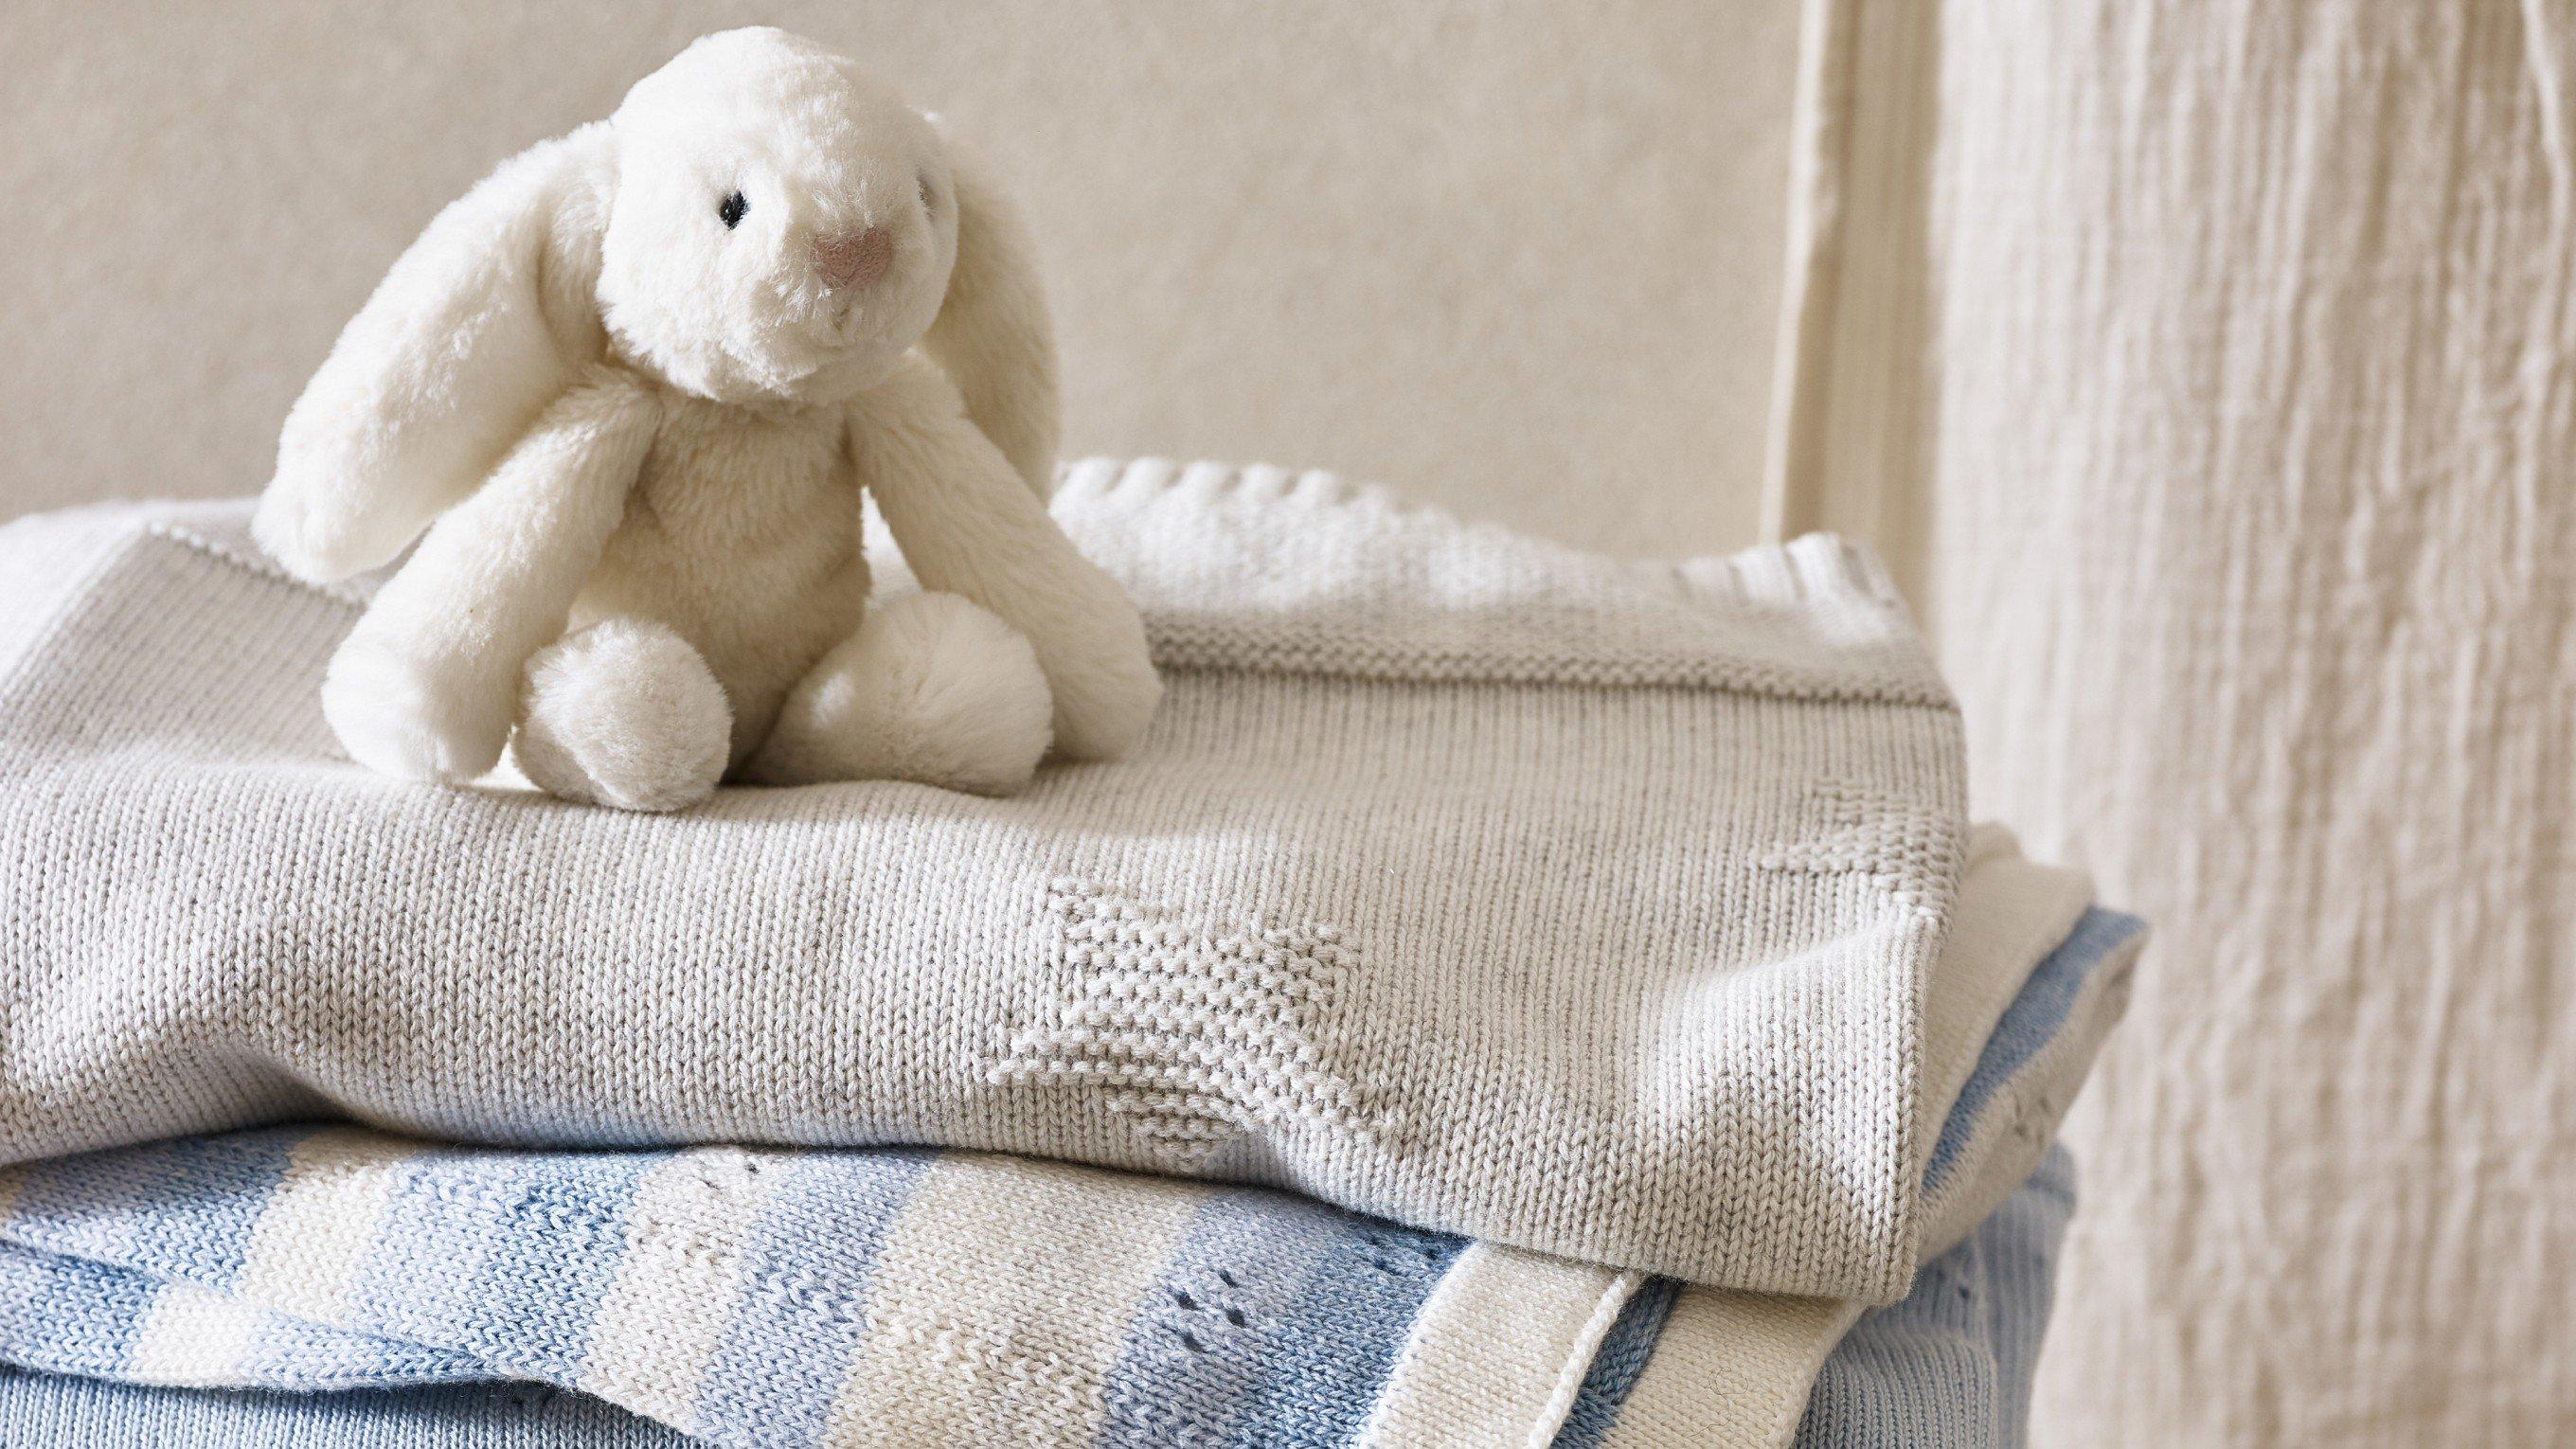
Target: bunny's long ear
[
  {"x": 487, "y": 318},
  {"x": 993, "y": 337}
]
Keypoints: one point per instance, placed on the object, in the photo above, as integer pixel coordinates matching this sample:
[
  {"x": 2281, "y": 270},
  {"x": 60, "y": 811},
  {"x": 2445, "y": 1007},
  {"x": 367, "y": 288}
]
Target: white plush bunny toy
[{"x": 632, "y": 386}]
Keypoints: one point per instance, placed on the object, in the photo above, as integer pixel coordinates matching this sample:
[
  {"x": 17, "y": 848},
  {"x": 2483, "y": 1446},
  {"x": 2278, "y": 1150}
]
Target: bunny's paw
[
  {"x": 626, "y": 714},
  {"x": 406, "y": 717},
  {"x": 931, "y": 689}
]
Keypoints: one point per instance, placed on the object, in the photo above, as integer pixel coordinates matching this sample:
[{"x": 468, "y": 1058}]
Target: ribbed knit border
[
  {"x": 1833, "y": 587},
  {"x": 1830, "y": 583}
]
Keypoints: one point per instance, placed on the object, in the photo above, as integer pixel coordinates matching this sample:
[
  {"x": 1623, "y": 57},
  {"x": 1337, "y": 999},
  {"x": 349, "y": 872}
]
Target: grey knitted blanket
[{"x": 1506, "y": 891}]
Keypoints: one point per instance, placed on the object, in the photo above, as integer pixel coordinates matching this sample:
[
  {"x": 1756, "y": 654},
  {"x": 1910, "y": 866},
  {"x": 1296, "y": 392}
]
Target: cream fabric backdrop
[
  {"x": 2206, "y": 367},
  {"x": 1520, "y": 257},
  {"x": 2213, "y": 367}
]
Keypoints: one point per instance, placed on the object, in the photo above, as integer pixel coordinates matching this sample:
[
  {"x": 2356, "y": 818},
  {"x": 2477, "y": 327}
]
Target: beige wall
[{"x": 1519, "y": 257}]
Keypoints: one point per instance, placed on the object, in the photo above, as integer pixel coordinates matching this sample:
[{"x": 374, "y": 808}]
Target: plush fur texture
[
  {"x": 623, "y": 713},
  {"x": 968, "y": 528},
  {"x": 620, "y": 407},
  {"x": 930, "y": 688}
]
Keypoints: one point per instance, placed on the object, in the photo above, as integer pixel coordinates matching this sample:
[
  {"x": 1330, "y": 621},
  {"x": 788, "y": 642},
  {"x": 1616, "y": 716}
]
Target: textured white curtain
[{"x": 2211, "y": 367}]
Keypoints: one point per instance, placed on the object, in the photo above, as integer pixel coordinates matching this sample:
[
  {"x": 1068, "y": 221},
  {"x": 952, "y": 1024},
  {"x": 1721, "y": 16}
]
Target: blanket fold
[
  {"x": 1949, "y": 1365},
  {"x": 1577, "y": 907},
  {"x": 894, "y": 1297}
]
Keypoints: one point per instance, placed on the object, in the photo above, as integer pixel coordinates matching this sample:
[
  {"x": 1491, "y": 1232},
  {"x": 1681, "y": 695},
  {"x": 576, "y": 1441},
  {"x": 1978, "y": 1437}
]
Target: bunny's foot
[
  {"x": 623, "y": 713},
  {"x": 931, "y": 688}
]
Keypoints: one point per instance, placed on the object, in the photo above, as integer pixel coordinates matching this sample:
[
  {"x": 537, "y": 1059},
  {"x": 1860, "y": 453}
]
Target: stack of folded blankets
[{"x": 1512, "y": 997}]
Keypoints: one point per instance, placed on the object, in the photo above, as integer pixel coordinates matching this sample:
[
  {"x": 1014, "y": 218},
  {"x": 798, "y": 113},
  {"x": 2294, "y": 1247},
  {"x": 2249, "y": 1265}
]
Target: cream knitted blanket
[
  {"x": 897, "y": 1297},
  {"x": 1501, "y": 890}
]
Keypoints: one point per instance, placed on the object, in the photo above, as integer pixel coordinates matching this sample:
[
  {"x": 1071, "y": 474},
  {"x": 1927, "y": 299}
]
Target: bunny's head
[
  {"x": 779, "y": 225},
  {"x": 761, "y": 222}
]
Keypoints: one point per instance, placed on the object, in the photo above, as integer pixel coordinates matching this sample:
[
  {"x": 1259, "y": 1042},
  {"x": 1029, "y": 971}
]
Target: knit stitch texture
[
  {"x": 895, "y": 1297},
  {"x": 1571, "y": 905},
  {"x": 1950, "y": 1366}
]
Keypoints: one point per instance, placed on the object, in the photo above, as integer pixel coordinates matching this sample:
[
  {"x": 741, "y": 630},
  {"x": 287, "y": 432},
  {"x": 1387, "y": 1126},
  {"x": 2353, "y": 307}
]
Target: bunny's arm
[
  {"x": 969, "y": 525},
  {"x": 427, "y": 685}
]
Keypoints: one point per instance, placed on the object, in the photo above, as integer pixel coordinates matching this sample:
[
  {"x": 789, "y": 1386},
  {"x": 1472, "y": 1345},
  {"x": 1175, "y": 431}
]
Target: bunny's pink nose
[{"x": 854, "y": 258}]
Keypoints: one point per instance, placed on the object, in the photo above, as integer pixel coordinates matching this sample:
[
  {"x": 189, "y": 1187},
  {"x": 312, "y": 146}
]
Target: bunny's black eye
[{"x": 730, "y": 210}]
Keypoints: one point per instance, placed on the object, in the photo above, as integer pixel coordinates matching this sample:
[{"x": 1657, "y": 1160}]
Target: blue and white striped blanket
[
  {"x": 881, "y": 1296},
  {"x": 1950, "y": 1365}
]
